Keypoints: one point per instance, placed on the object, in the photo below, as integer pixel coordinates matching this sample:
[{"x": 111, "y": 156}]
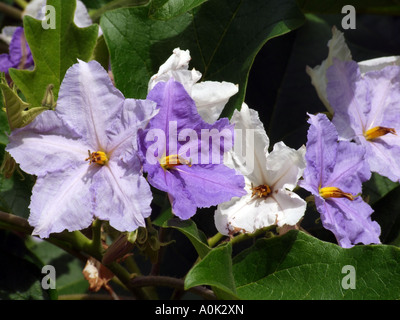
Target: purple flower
[
  {"x": 84, "y": 156},
  {"x": 367, "y": 110},
  {"x": 19, "y": 56},
  {"x": 334, "y": 175},
  {"x": 183, "y": 155}
]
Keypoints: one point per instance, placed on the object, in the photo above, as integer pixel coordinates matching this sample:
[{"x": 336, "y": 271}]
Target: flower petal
[
  {"x": 382, "y": 155},
  {"x": 347, "y": 95},
  {"x": 351, "y": 168},
  {"x": 350, "y": 221},
  {"x": 211, "y": 97},
  {"x": 249, "y": 135},
  {"x": 46, "y": 145},
  {"x": 122, "y": 196},
  {"x": 321, "y": 152},
  {"x": 89, "y": 102},
  {"x": 122, "y": 133},
  {"x": 284, "y": 166},
  {"x": 62, "y": 200},
  {"x": 337, "y": 50},
  {"x": 245, "y": 214},
  {"x": 176, "y": 67},
  {"x": 291, "y": 207},
  {"x": 218, "y": 183}
]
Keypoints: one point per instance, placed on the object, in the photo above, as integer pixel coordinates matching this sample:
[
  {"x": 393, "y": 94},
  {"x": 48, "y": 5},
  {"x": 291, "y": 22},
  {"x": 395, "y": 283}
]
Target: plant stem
[
  {"x": 11, "y": 11},
  {"x": 96, "y": 235},
  {"x": 212, "y": 242},
  {"x": 79, "y": 244},
  {"x": 21, "y": 3}
]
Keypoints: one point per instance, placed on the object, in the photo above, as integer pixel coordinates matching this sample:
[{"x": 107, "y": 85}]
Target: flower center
[
  {"x": 169, "y": 162},
  {"x": 377, "y": 132},
  {"x": 333, "y": 192},
  {"x": 261, "y": 191},
  {"x": 98, "y": 157}
]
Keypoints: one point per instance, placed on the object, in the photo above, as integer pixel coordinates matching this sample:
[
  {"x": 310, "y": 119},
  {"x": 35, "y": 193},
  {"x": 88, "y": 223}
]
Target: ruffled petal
[
  {"x": 382, "y": 156},
  {"x": 122, "y": 196},
  {"x": 291, "y": 207},
  {"x": 250, "y": 147},
  {"x": 89, "y": 102},
  {"x": 337, "y": 50},
  {"x": 348, "y": 97},
  {"x": 245, "y": 214},
  {"x": 350, "y": 221},
  {"x": 211, "y": 97},
  {"x": 321, "y": 153},
  {"x": 285, "y": 166},
  {"x": 62, "y": 200},
  {"x": 46, "y": 145},
  {"x": 351, "y": 168},
  {"x": 210, "y": 185}
]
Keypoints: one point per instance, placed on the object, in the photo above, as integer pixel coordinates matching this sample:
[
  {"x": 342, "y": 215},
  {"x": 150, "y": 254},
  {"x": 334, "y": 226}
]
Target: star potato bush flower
[
  {"x": 367, "y": 111},
  {"x": 178, "y": 156},
  {"x": 270, "y": 180},
  {"x": 334, "y": 175},
  {"x": 84, "y": 155}
]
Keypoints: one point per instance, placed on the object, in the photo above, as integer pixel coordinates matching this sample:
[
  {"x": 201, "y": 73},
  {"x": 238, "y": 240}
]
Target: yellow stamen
[
  {"x": 98, "y": 157},
  {"x": 169, "y": 162},
  {"x": 333, "y": 192},
  {"x": 261, "y": 191},
  {"x": 377, "y": 132}
]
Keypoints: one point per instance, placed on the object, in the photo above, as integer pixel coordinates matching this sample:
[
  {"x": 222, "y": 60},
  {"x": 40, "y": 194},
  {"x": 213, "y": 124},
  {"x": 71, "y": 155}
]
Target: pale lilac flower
[
  {"x": 367, "y": 110},
  {"x": 334, "y": 175},
  {"x": 269, "y": 198},
  {"x": 210, "y": 96},
  {"x": 19, "y": 56},
  {"x": 84, "y": 156},
  {"x": 338, "y": 49},
  {"x": 180, "y": 160}
]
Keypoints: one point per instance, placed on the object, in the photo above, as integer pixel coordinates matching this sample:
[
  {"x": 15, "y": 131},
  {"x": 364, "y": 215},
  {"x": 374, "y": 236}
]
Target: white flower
[
  {"x": 210, "y": 96},
  {"x": 338, "y": 49},
  {"x": 269, "y": 182}
]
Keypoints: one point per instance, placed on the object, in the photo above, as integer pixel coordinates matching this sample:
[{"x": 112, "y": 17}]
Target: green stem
[
  {"x": 21, "y": 3},
  {"x": 11, "y": 11},
  {"x": 245, "y": 236},
  {"x": 212, "y": 242},
  {"x": 96, "y": 235}
]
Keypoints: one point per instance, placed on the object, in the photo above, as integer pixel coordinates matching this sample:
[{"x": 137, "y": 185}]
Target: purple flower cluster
[{"x": 90, "y": 154}]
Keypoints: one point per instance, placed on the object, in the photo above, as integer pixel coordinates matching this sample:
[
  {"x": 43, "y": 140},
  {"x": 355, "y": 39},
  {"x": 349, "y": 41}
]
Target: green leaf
[
  {"x": 298, "y": 266},
  {"x": 221, "y": 48},
  {"x": 69, "y": 277},
  {"x": 190, "y": 230},
  {"x": 54, "y": 51},
  {"x": 167, "y": 9},
  {"x": 215, "y": 269}
]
